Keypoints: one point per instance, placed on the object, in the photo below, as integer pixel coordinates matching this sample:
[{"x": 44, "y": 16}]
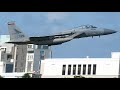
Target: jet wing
[
  {"x": 41, "y": 38},
  {"x": 70, "y": 35}
]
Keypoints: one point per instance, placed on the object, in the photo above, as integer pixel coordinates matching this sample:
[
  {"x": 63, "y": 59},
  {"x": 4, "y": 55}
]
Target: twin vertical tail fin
[{"x": 15, "y": 32}]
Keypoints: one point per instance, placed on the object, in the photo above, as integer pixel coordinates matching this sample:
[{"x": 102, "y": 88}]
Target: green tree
[
  {"x": 79, "y": 76},
  {"x": 26, "y": 75},
  {"x": 1, "y": 76}
]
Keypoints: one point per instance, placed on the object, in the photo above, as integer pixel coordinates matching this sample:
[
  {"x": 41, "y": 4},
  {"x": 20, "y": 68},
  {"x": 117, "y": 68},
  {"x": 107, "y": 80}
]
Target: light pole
[{"x": 51, "y": 53}]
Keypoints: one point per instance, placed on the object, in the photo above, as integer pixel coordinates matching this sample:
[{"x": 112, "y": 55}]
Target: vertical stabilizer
[{"x": 15, "y": 32}]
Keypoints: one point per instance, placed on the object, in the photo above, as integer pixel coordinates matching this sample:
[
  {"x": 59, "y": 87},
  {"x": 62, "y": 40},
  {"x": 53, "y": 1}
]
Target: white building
[
  {"x": 4, "y": 38},
  {"x": 6, "y": 61},
  {"x": 86, "y": 67},
  {"x": 6, "y": 67},
  {"x": 5, "y": 49},
  {"x": 12, "y": 75}
]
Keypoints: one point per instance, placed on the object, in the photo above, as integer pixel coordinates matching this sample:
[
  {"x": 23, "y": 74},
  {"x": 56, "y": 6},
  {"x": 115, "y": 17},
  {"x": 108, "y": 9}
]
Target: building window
[
  {"x": 45, "y": 47},
  {"x": 69, "y": 69},
  {"x": 30, "y": 51},
  {"x": 42, "y": 53},
  {"x": 32, "y": 56},
  {"x": 89, "y": 69},
  {"x": 42, "y": 57},
  {"x": 74, "y": 69},
  {"x": 94, "y": 69},
  {"x": 29, "y": 66},
  {"x": 84, "y": 69},
  {"x": 15, "y": 69},
  {"x": 28, "y": 57},
  {"x": 79, "y": 69},
  {"x": 2, "y": 56},
  {"x": 16, "y": 57},
  {"x": 9, "y": 57},
  {"x": 63, "y": 69},
  {"x": 39, "y": 46},
  {"x": 29, "y": 46},
  {"x": 16, "y": 64},
  {"x": 9, "y": 68}
]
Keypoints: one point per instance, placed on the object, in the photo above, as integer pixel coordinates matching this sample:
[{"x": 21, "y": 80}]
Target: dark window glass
[
  {"x": 30, "y": 51},
  {"x": 9, "y": 56},
  {"x": 9, "y": 68},
  {"x": 42, "y": 57},
  {"x": 35, "y": 75},
  {"x": 94, "y": 68},
  {"x": 63, "y": 69},
  {"x": 29, "y": 46},
  {"x": 69, "y": 69},
  {"x": 74, "y": 69},
  {"x": 45, "y": 47},
  {"x": 89, "y": 69},
  {"x": 39, "y": 46},
  {"x": 42, "y": 53},
  {"x": 15, "y": 69},
  {"x": 15, "y": 63},
  {"x": 16, "y": 57},
  {"x": 79, "y": 69},
  {"x": 84, "y": 69}
]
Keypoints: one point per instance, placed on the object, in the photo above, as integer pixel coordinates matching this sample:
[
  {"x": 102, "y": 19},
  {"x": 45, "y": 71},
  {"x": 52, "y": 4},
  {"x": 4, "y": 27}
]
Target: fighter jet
[{"x": 19, "y": 38}]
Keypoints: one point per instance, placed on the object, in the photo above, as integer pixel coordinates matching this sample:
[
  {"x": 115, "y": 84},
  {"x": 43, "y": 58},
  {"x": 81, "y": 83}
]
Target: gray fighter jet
[{"x": 19, "y": 38}]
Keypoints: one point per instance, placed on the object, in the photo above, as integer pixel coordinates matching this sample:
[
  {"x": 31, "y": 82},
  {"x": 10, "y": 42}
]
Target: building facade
[
  {"x": 20, "y": 52},
  {"x": 25, "y": 58},
  {"x": 36, "y": 53},
  {"x": 86, "y": 67},
  {"x": 6, "y": 55},
  {"x": 6, "y": 67}
]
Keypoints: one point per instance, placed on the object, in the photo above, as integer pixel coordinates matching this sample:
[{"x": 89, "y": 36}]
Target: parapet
[{"x": 115, "y": 54}]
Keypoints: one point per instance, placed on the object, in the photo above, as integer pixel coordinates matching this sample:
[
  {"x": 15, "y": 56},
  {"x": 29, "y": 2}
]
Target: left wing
[{"x": 41, "y": 38}]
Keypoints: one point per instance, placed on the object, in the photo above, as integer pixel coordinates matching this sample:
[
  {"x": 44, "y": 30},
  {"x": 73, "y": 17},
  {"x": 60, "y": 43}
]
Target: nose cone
[{"x": 109, "y": 31}]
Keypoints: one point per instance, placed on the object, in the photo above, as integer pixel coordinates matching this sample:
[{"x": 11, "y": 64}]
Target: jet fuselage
[{"x": 18, "y": 37}]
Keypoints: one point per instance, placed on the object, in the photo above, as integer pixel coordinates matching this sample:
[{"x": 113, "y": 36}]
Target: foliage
[
  {"x": 1, "y": 76},
  {"x": 79, "y": 77},
  {"x": 26, "y": 75}
]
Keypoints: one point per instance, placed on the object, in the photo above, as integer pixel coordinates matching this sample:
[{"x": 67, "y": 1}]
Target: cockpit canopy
[{"x": 87, "y": 26}]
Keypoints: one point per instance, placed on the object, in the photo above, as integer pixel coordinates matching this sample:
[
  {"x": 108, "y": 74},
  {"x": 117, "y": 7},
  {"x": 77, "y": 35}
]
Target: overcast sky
[{"x": 45, "y": 23}]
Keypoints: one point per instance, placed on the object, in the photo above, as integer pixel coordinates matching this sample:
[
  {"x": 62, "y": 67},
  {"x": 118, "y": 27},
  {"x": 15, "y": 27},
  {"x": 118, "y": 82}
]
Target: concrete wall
[
  {"x": 2, "y": 67},
  {"x": 86, "y": 76},
  {"x": 36, "y": 64},
  {"x": 20, "y": 58},
  {"x": 12, "y": 75},
  {"x": 38, "y": 52}
]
